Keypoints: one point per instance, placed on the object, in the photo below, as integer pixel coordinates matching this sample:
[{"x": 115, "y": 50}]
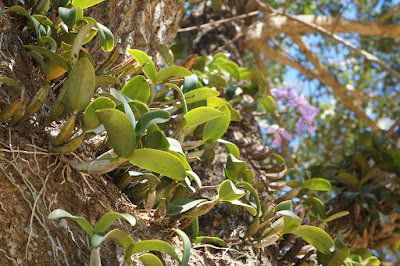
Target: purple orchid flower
[{"x": 278, "y": 132}]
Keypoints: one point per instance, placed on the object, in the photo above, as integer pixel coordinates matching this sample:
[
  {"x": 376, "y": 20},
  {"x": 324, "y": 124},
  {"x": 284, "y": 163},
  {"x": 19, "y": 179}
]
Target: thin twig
[{"x": 214, "y": 23}]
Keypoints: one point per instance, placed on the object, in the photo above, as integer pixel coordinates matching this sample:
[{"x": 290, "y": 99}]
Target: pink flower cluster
[{"x": 304, "y": 108}]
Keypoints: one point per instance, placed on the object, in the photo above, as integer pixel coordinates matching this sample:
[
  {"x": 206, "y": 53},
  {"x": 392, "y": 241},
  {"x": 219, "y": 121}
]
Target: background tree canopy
[{"x": 267, "y": 131}]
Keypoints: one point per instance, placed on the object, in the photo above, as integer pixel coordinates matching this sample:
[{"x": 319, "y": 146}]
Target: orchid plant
[{"x": 301, "y": 108}]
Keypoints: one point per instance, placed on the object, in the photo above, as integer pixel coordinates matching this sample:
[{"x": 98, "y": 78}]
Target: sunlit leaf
[
  {"x": 215, "y": 241},
  {"x": 90, "y": 117},
  {"x": 228, "y": 192},
  {"x": 150, "y": 260},
  {"x": 85, "y": 225},
  {"x": 320, "y": 184},
  {"x": 230, "y": 148},
  {"x": 149, "y": 69},
  {"x": 217, "y": 127},
  {"x": 109, "y": 218},
  {"x": 166, "y": 163},
  {"x": 201, "y": 115},
  {"x": 171, "y": 72},
  {"x": 117, "y": 235},
  {"x": 200, "y": 94},
  {"x": 316, "y": 237},
  {"x": 152, "y": 245},
  {"x": 137, "y": 88},
  {"x": 85, "y": 3}
]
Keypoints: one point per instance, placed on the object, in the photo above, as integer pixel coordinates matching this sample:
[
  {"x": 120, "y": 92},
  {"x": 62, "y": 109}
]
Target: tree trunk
[{"x": 33, "y": 181}]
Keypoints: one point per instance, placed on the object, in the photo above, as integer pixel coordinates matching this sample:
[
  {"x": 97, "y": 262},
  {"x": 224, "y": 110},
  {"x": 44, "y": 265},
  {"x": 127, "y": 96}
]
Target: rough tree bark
[{"x": 34, "y": 181}]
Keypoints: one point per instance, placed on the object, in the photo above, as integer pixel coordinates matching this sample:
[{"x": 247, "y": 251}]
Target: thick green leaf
[
  {"x": 106, "y": 37},
  {"x": 336, "y": 216},
  {"x": 249, "y": 208},
  {"x": 85, "y": 3},
  {"x": 152, "y": 117},
  {"x": 336, "y": 258},
  {"x": 230, "y": 148},
  {"x": 217, "y": 127},
  {"x": 228, "y": 192},
  {"x": 316, "y": 205},
  {"x": 268, "y": 103},
  {"x": 152, "y": 245},
  {"x": 150, "y": 260},
  {"x": 285, "y": 205},
  {"x": 127, "y": 107},
  {"x": 116, "y": 235},
  {"x": 200, "y": 94},
  {"x": 195, "y": 228},
  {"x": 160, "y": 162},
  {"x": 85, "y": 225},
  {"x": 79, "y": 40},
  {"x": 120, "y": 131},
  {"x": 201, "y": 115},
  {"x": 80, "y": 85},
  {"x": 190, "y": 83},
  {"x": 137, "y": 88},
  {"x": 156, "y": 139},
  {"x": 59, "y": 60},
  {"x": 166, "y": 53},
  {"x": 51, "y": 41},
  {"x": 68, "y": 15},
  {"x": 109, "y": 218},
  {"x": 40, "y": 30},
  {"x": 182, "y": 205},
  {"x": 12, "y": 83},
  {"x": 348, "y": 178},
  {"x": 215, "y": 80},
  {"x": 171, "y": 72},
  {"x": 175, "y": 145},
  {"x": 149, "y": 69},
  {"x": 183, "y": 99},
  {"x": 253, "y": 193},
  {"x": 316, "y": 237},
  {"x": 290, "y": 219},
  {"x": 235, "y": 168},
  {"x": 90, "y": 118},
  {"x": 232, "y": 69},
  {"x": 342, "y": 247},
  {"x": 186, "y": 247},
  {"x": 320, "y": 184},
  {"x": 106, "y": 80},
  {"x": 216, "y": 241}
]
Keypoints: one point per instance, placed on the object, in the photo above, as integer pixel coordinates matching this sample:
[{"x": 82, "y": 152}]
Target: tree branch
[
  {"x": 337, "y": 88},
  {"x": 368, "y": 56},
  {"x": 283, "y": 24}
]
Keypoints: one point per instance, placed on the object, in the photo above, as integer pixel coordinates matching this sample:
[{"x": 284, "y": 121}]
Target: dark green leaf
[
  {"x": 106, "y": 37},
  {"x": 59, "y": 60},
  {"x": 186, "y": 247},
  {"x": 235, "y": 168},
  {"x": 106, "y": 80},
  {"x": 152, "y": 117},
  {"x": 68, "y": 15},
  {"x": 120, "y": 131},
  {"x": 182, "y": 205},
  {"x": 80, "y": 85},
  {"x": 285, "y": 205},
  {"x": 90, "y": 117},
  {"x": 190, "y": 83},
  {"x": 230, "y": 148}
]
